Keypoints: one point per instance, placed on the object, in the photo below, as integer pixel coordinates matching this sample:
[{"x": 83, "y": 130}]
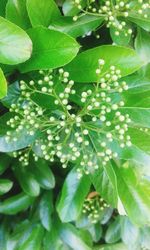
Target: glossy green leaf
[
  {"x": 51, "y": 49},
  {"x": 15, "y": 204},
  {"x": 72, "y": 196},
  {"x": 43, "y": 174},
  {"x": 123, "y": 38},
  {"x": 3, "y": 85},
  {"x": 15, "y": 44},
  {"x": 13, "y": 94},
  {"x": 130, "y": 234},
  {"x": 42, "y": 12},
  {"x": 3, "y": 7},
  {"x": 5, "y": 186},
  {"x": 119, "y": 246},
  {"x": 33, "y": 240},
  {"x": 45, "y": 210},
  {"x": 70, "y": 235},
  {"x": 83, "y": 67},
  {"x": 4, "y": 162},
  {"x": 142, "y": 45},
  {"x": 134, "y": 193},
  {"x": 26, "y": 180},
  {"x": 81, "y": 27},
  {"x": 16, "y": 12},
  {"x": 113, "y": 232}
]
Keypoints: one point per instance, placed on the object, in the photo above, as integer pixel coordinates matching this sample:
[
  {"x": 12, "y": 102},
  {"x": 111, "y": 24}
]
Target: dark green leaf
[
  {"x": 5, "y": 186},
  {"x": 45, "y": 210},
  {"x": 113, "y": 232},
  {"x": 15, "y": 204},
  {"x": 72, "y": 196},
  {"x": 26, "y": 180}
]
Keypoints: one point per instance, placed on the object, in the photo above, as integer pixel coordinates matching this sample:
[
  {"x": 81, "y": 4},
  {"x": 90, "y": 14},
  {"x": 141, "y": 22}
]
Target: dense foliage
[{"x": 74, "y": 125}]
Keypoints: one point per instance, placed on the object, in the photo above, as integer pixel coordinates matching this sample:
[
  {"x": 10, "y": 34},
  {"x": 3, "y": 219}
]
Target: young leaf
[
  {"x": 72, "y": 196},
  {"x": 15, "y": 204},
  {"x": 45, "y": 210},
  {"x": 15, "y": 44},
  {"x": 16, "y": 12},
  {"x": 83, "y": 67},
  {"x": 3, "y": 85},
  {"x": 42, "y": 12},
  {"x": 5, "y": 186},
  {"x": 51, "y": 49}
]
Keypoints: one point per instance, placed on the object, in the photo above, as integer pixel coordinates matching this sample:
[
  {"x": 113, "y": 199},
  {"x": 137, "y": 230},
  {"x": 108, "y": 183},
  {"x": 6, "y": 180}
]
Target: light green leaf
[
  {"x": 16, "y": 12},
  {"x": 5, "y": 186},
  {"x": 134, "y": 192},
  {"x": 142, "y": 45},
  {"x": 3, "y": 85},
  {"x": 83, "y": 67},
  {"x": 82, "y": 26},
  {"x": 15, "y": 44},
  {"x": 42, "y": 12},
  {"x": 141, "y": 139},
  {"x": 72, "y": 196},
  {"x": 140, "y": 20},
  {"x": 15, "y": 204},
  {"x": 51, "y": 49},
  {"x": 69, "y": 8}
]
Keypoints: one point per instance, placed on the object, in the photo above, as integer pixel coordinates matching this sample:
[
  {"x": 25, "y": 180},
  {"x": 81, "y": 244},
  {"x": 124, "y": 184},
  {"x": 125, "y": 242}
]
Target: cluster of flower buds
[
  {"x": 115, "y": 14},
  {"x": 94, "y": 207},
  {"x": 63, "y": 129}
]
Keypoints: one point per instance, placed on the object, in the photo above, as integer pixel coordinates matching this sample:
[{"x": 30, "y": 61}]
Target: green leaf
[
  {"x": 26, "y": 180},
  {"x": 43, "y": 174},
  {"x": 113, "y": 232},
  {"x": 134, "y": 192},
  {"x": 33, "y": 240},
  {"x": 139, "y": 116},
  {"x": 15, "y": 44},
  {"x": 4, "y": 162},
  {"x": 3, "y": 85},
  {"x": 13, "y": 95},
  {"x": 2, "y": 7},
  {"x": 137, "y": 84},
  {"x": 140, "y": 20},
  {"x": 16, "y": 12},
  {"x": 51, "y": 49},
  {"x": 119, "y": 246},
  {"x": 142, "y": 45},
  {"x": 95, "y": 231},
  {"x": 130, "y": 234},
  {"x": 15, "y": 204},
  {"x": 123, "y": 38},
  {"x": 69, "y": 8},
  {"x": 5, "y": 186},
  {"x": 104, "y": 181},
  {"x": 45, "y": 210},
  {"x": 82, "y": 26},
  {"x": 72, "y": 196},
  {"x": 141, "y": 139},
  {"x": 83, "y": 67},
  {"x": 42, "y": 12},
  {"x": 52, "y": 240},
  {"x": 70, "y": 235}
]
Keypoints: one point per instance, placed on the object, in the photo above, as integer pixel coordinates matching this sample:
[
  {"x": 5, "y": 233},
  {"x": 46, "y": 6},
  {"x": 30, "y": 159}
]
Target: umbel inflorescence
[
  {"x": 115, "y": 13},
  {"x": 64, "y": 128}
]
